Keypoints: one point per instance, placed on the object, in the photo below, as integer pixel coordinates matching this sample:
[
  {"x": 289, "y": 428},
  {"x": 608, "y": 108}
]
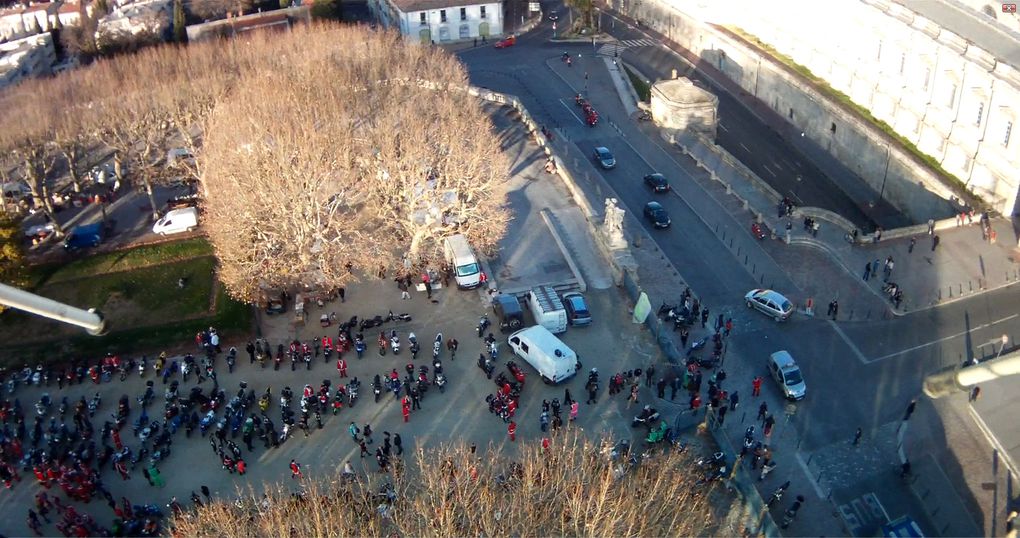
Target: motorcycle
[
  {"x": 42, "y": 407},
  {"x": 483, "y": 324},
  {"x": 404, "y": 316},
  {"x": 143, "y": 366},
  {"x": 382, "y": 344},
  {"x": 395, "y": 343},
  {"x": 437, "y": 345},
  {"x": 371, "y": 322},
  {"x": 711, "y": 461},
  {"x": 352, "y": 393},
  {"x": 515, "y": 371},
  {"x": 486, "y": 365},
  {"x": 777, "y": 495},
  {"x": 377, "y": 388},
  {"x": 441, "y": 382},
  {"x": 647, "y": 416},
  {"x": 413, "y": 345},
  {"x": 94, "y": 404},
  {"x": 791, "y": 512}
]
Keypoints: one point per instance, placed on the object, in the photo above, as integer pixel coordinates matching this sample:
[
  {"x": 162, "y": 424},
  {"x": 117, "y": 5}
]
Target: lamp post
[{"x": 1004, "y": 340}]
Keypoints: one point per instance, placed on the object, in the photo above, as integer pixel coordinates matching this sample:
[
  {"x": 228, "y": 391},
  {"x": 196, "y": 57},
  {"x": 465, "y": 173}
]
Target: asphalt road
[{"x": 858, "y": 374}]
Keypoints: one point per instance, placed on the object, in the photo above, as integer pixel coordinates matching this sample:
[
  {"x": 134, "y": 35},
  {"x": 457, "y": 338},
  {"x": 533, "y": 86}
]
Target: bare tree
[{"x": 360, "y": 159}]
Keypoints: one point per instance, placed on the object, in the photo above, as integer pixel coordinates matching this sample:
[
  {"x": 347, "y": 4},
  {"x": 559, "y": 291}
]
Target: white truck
[
  {"x": 177, "y": 221},
  {"x": 553, "y": 359},
  {"x": 548, "y": 309},
  {"x": 466, "y": 270}
]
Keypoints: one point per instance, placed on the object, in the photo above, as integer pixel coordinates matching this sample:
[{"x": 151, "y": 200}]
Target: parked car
[
  {"x": 508, "y": 42},
  {"x": 604, "y": 158},
  {"x": 787, "y": 374},
  {"x": 657, "y": 215},
  {"x": 176, "y": 221},
  {"x": 508, "y": 311},
  {"x": 553, "y": 16},
  {"x": 83, "y": 236},
  {"x": 181, "y": 202},
  {"x": 577, "y": 309},
  {"x": 771, "y": 303},
  {"x": 657, "y": 182}
]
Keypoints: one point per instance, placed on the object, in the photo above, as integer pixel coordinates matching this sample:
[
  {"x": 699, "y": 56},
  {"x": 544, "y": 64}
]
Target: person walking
[
  {"x": 975, "y": 393},
  {"x": 649, "y": 373},
  {"x": 931, "y": 226},
  {"x": 543, "y": 421},
  {"x": 934, "y": 243},
  {"x": 834, "y": 309},
  {"x": 756, "y": 386},
  {"x": 573, "y": 411},
  {"x": 295, "y": 469},
  {"x": 910, "y": 247},
  {"x": 206, "y": 493},
  {"x": 661, "y": 388},
  {"x": 511, "y": 430},
  {"x": 367, "y": 432},
  {"x": 734, "y": 400},
  {"x": 364, "y": 448},
  {"x": 397, "y": 444},
  {"x": 867, "y": 271},
  {"x": 354, "y": 431},
  {"x": 673, "y": 385},
  {"x": 704, "y": 317},
  {"x": 766, "y": 468},
  {"x": 763, "y": 411},
  {"x": 857, "y": 436},
  {"x": 633, "y": 394},
  {"x": 770, "y": 421},
  {"x": 341, "y": 366}
]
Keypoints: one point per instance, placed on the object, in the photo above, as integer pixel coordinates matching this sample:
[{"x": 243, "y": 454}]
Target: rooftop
[
  {"x": 972, "y": 26},
  {"x": 408, "y": 6}
]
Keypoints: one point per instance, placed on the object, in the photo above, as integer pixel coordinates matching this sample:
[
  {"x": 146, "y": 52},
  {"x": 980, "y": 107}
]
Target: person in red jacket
[
  {"x": 295, "y": 469},
  {"x": 511, "y": 430},
  {"x": 756, "y": 385},
  {"x": 341, "y": 366}
]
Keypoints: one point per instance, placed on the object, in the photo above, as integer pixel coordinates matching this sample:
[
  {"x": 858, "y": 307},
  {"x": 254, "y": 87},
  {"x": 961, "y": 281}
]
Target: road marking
[
  {"x": 769, "y": 170},
  {"x": 853, "y": 347},
  {"x": 987, "y": 432},
  {"x": 811, "y": 478},
  {"x": 774, "y": 163},
  {"x": 723, "y": 127},
  {"x": 745, "y": 147},
  {"x": 943, "y": 339},
  {"x": 571, "y": 110}
]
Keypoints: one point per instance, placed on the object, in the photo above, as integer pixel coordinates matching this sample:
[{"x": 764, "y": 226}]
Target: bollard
[
  {"x": 724, "y": 235},
  {"x": 950, "y": 292},
  {"x": 869, "y": 314},
  {"x": 731, "y": 242},
  {"x": 717, "y": 231},
  {"x": 961, "y": 288},
  {"x": 745, "y": 259},
  {"x": 754, "y": 268},
  {"x": 761, "y": 278},
  {"x": 970, "y": 284}
]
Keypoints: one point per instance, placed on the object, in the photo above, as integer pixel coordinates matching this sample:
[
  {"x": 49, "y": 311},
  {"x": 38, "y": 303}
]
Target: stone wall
[{"x": 843, "y": 54}]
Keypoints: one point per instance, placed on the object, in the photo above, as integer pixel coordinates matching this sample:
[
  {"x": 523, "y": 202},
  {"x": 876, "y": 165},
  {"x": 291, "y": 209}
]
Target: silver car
[
  {"x": 775, "y": 305},
  {"x": 787, "y": 374}
]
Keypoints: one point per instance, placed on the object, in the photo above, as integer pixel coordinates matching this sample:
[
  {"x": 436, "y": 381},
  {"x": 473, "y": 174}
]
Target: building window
[
  {"x": 422, "y": 18},
  {"x": 482, "y": 12},
  {"x": 980, "y": 112},
  {"x": 463, "y": 13},
  {"x": 442, "y": 15},
  {"x": 1005, "y": 138}
]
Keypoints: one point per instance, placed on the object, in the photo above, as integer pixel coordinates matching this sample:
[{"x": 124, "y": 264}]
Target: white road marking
[
  {"x": 723, "y": 127},
  {"x": 571, "y": 110},
  {"x": 943, "y": 339},
  {"x": 745, "y": 147},
  {"x": 1003, "y": 454},
  {"x": 853, "y": 347},
  {"x": 811, "y": 478},
  {"x": 774, "y": 163},
  {"x": 769, "y": 170}
]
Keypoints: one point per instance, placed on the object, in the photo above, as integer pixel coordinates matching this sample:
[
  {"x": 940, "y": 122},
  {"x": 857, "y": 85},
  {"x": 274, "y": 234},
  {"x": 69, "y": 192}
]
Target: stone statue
[{"x": 613, "y": 225}]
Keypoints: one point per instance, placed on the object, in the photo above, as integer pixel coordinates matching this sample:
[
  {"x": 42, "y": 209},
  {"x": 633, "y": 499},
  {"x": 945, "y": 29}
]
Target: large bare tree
[{"x": 361, "y": 149}]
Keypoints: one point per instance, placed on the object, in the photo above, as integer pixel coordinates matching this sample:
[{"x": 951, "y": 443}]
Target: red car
[{"x": 508, "y": 42}]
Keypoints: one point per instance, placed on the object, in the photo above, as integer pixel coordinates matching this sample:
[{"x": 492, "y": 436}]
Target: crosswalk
[{"x": 611, "y": 49}]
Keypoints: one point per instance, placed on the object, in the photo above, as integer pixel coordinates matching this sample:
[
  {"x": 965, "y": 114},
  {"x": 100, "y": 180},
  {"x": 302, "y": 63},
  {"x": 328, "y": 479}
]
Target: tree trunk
[
  {"x": 152, "y": 198},
  {"x": 72, "y": 168},
  {"x": 118, "y": 167},
  {"x": 47, "y": 206}
]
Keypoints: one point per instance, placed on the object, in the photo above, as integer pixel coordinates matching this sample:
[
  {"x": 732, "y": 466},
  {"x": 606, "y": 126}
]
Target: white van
[
  {"x": 547, "y": 307},
  {"x": 466, "y": 270},
  {"x": 552, "y": 358},
  {"x": 177, "y": 221}
]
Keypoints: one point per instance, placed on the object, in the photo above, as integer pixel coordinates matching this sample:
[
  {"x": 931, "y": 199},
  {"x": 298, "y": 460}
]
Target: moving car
[
  {"x": 657, "y": 215},
  {"x": 553, "y": 16},
  {"x": 577, "y": 309},
  {"x": 787, "y": 374},
  {"x": 604, "y": 158},
  {"x": 84, "y": 235},
  {"x": 770, "y": 302},
  {"x": 657, "y": 182},
  {"x": 508, "y": 42}
]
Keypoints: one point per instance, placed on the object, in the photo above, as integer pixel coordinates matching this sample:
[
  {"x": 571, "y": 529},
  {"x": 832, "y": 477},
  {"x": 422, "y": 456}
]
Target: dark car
[
  {"x": 604, "y": 158},
  {"x": 181, "y": 202},
  {"x": 553, "y": 16},
  {"x": 657, "y": 215},
  {"x": 577, "y": 309},
  {"x": 657, "y": 182},
  {"x": 84, "y": 236},
  {"x": 508, "y": 312}
]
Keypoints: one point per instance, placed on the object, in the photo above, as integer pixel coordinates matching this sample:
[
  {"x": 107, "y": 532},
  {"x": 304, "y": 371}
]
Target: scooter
[
  {"x": 777, "y": 495},
  {"x": 395, "y": 343},
  {"x": 437, "y": 346},
  {"x": 441, "y": 382},
  {"x": 486, "y": 365},
  {"x": 647, "y": 416},
  {"x": 483, "y": 324}
]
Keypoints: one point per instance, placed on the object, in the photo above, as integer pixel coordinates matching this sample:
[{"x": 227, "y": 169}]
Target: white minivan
[
  {"x": 553, "y": 359},
  {"x": 466, "y": 270},
  {"x": 177, "y": 221}
]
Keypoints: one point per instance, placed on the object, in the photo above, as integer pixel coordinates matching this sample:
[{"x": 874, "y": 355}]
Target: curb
[{"x": 824, "y": 247}]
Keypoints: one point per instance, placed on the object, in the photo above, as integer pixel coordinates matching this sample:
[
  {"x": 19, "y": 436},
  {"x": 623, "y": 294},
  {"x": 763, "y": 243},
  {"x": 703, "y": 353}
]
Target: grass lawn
[{"x": 137, "y": 292}]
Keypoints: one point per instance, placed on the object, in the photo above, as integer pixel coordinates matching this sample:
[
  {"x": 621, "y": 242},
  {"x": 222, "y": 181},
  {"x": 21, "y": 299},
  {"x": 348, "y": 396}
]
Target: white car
[
  {"x": 787, "y": 374},
  {"x": 771, "y": 303}
]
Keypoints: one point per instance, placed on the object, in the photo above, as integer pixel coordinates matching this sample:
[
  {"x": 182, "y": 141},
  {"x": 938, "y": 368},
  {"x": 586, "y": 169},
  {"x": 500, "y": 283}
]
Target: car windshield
[
  {"x": 793, "y": 377},
  {"x": 787, "y": 306},
  {"x": 467, "y": 270},
  {"x": 604, "y": 154}
]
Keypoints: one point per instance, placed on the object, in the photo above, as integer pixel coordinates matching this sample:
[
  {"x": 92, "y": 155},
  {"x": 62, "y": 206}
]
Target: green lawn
[{"x": 137, "y": 292}]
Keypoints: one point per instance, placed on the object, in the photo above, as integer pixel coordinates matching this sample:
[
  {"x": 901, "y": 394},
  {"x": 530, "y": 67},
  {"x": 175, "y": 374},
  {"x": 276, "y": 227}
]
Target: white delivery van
[
  {"x": 547, "y": 307},
  {"x": 176, "y": 221},
  {"x": 466, "y": 270},
  {"x": 548, "y": 354}
]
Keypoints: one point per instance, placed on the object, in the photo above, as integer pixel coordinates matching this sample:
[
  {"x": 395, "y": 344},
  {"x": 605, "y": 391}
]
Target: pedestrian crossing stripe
[{"x": 609, "y": 49}]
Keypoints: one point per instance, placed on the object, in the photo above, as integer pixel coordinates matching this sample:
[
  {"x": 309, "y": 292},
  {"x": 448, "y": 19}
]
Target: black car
[
  {"x": 508, "y": 312},
  {"x": 657, "y": 215},
  {"x": 657, "y": 182}
]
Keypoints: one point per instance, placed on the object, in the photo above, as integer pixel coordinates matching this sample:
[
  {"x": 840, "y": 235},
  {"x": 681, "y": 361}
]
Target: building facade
[
  {"x": 440, "y": 21},
  {"x": 27, "y": 57}
]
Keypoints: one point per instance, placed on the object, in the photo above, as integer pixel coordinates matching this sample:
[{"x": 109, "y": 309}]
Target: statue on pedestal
[{"x": 612, "y": 227}]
